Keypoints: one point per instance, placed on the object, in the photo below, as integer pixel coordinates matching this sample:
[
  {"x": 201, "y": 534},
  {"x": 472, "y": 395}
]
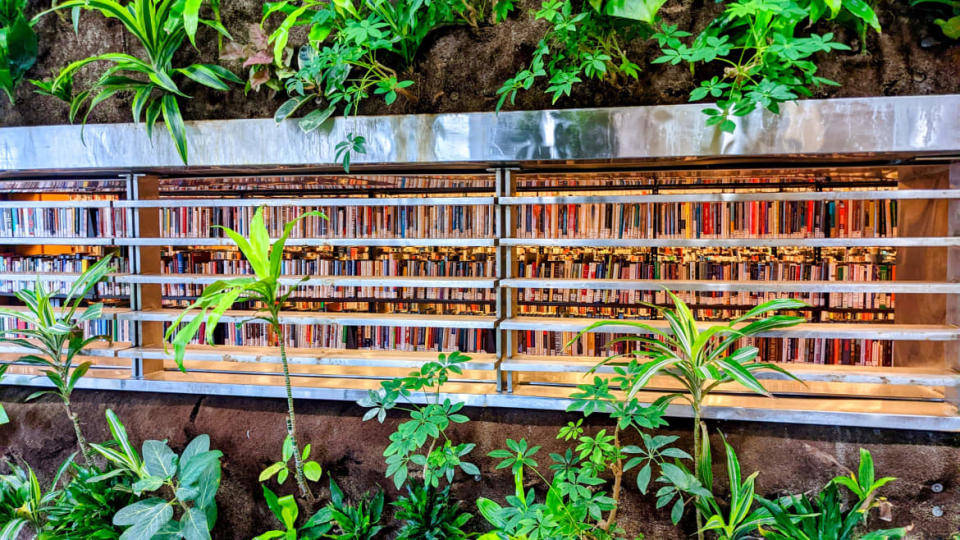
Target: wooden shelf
[
  {"x": 313, "y": 281},
  {"x": 99, "y": 348},
  {"x": 317, "y": 242},
  {"x": 900, "y": 332},
  {"x": 77, "y": 203},
  {"x": 719, "y": 285},
  {"x": 859, "y": 195},
  {"x": 307, "y": 202},
  {"x": 327, "y": 357},
  {"x": 899, "y": 241},
  {"x": 343, "y": 319}
]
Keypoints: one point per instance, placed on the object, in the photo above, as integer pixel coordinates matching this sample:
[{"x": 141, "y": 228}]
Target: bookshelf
[{"x": 508, "y": 265}]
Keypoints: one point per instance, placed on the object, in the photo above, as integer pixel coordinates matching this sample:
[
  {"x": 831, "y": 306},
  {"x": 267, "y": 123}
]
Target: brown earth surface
[
  {"x": 790, "y": 458},
  {"x": 459, "y": 69}
]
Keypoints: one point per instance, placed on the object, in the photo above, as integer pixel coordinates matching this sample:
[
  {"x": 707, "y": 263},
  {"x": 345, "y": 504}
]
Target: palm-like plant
[
  {"x": 160, "y": 26},
  {"x": 700, "y": 359},
  {"x": 265, "y": 259},
  {"x": 55, "y": 336}
]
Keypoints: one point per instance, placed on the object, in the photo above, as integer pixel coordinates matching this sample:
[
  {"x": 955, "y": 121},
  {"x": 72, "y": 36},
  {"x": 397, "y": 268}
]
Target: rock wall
[{"x": 790, "y": 458}]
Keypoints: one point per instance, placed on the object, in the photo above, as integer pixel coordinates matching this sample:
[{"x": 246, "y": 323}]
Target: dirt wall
[
  {"x": 460, "y": 69},
  {"x": 791, "y": 458}
]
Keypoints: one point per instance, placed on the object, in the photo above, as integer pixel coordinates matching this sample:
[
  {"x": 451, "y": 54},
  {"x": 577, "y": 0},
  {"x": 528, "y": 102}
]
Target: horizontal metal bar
[
  {"x": 900, "y": 241},
  {"x": 864, "y": 195},
  {"x": 820, "y": 411},
  {"x": 786, "y": 286},
  {"x": 57, "y": 241},
  {"x": 231, "y": 202},
  {"x": 317, "y": 242},
  {"x": 867, "y": 126},
  {"x": 314, "y": 281},
  {"x": 898, "y": 332},
  {"x": 343, "y": 319}
]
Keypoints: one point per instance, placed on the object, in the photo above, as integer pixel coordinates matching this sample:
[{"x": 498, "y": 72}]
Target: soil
[
  {"x": 459, "y": 69},
  {"x": 790, "y": 458}
]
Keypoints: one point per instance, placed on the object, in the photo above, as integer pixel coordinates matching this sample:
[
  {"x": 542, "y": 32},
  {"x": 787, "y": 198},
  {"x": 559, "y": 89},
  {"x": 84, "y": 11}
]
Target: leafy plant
[
  {"x": 428, "y": 513},
  {"x": 700, "y": 359},
  {"x": 257, "y": 55},
  {"x": 265, "y": 258},
  {"x": 765, "y": 62},
  {"x": 18, "y": 45},
  {"x": 950, "y": 26},
  {"x": 160, "y": 26},
  {"x": 286, "y": 510},
  {"x": 802, "y": 517},
  {"x": 311, "y": 469},
  {"x": 55, "y": 336},
  {"x": 86, "y": 506},
  {"x": 359, "y": 48},
  {"x": 588, "y": 43},
  {"x": 358, "y": 521},
  {"x": 740, "y": 519},
  {"x": 23, "y": 503},
  {"x": 428, "y": 424},
  {"x": 189, "y": 482}
]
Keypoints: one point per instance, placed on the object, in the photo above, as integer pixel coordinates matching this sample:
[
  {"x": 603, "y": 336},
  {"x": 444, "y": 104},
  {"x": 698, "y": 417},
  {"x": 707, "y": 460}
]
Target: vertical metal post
[
  {"x": 133, "y": 266},
  {"x": 507, "y": 269}
]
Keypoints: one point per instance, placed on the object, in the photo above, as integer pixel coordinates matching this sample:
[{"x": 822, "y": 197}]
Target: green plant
[
  {"x": 428, "y": 423},
  {"x": 801, "y": 517},
  {"x": 951, "y": 26},
  {"x": 286, "y": 510},
  {"x": 85, "y": 508},
  {"x": 311, "y": 469},
  {"x": 187, "y": 483},
  {"x": 265, "y": 258},
  {"x": 23, "y": 503},
  {"x": 588, "y": 43},
  {"x": 765, "y": 62},
  {"x": 257, "y": 55},
  {"x": 359, "y": 521},
  {"x": 18, "y": 45},
  {"x": 428, "y": 513},
  {"x": 55, "y": 336},
  {"x": 741, "y": 519},
  {"x": 700, "y": 358},
  {"x": 160, "y": 26},
  {"x": 360, "y": 47}
]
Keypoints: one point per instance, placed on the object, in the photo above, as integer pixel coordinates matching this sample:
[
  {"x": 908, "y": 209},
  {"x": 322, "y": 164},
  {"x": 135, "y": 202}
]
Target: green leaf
[
  {"x": 120, "y": 435},
  {"x": 677, "y": 511},
  {"x": 290, "y": 106},
  {"x": 204, "y": 75},
  {"x": 638, "y": 10},
  {"x": 159, "y": 460},
  {"x": 865, "y": 13},
  {"x": 150, "y": 483},
  {"x": 193, "y": 524},
  {"x": 315, "y": 119},
  {"x": 643, "y": 478},
  {"x": 199, "y": 445},
  {"x": 4, "y": 419},
  {"x": 174, "y": 122},
  {"x": 267, "y": 473},
  {"x": 146, "y": 518},
  {"x": 191, "y": 16},
  {"x": 312, "y": 471}
]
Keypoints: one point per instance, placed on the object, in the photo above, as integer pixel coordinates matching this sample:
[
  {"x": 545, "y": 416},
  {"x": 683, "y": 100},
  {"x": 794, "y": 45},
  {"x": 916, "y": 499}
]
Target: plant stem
[
  {"x": 291, "y": 419},
  {"x": 696, "y": 463},
  {"x": 81, "y": 440},
  {"x": 617, "y": 478}
]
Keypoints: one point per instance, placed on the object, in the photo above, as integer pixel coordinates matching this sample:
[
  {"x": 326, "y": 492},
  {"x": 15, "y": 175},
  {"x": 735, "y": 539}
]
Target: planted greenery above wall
[{"x": 327, "y": 58}]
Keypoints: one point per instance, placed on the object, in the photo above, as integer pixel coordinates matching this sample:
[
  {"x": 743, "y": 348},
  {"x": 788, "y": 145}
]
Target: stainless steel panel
[{"x": 862, "y": 126}]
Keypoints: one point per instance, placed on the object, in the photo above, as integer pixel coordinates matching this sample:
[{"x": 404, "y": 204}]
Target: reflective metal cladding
[{"x": 921, "y": 124}]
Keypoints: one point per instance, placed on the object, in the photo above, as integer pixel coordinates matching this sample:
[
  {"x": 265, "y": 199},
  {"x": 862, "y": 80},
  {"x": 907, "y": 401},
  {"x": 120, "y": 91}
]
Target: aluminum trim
[{"x": 861, "y": 126}]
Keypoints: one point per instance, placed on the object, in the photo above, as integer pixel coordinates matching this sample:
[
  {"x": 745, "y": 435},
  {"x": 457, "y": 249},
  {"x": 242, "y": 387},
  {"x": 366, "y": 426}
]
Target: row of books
[
  {"x": 386, "y": 338},
  {"x": 447, "y": 221},
  {"x": 746, "y": 219},
  {"x": 340, "y": 184},
  {"x": 57, "y": 264},
  {"x": 851, "y": 352},
  {"x": 62, "y": 222},
  {"x": 115, "y": 331}
]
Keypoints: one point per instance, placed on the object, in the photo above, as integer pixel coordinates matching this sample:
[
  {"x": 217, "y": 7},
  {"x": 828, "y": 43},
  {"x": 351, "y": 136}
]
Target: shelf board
[
  {"x": 899, "y": 241},
  {"x": 58, "y": 241},
  {"x": 318, "y": 242},
  {"x": 108, "y": 313},
  {"x": 860, "y": 195},
  {"x": 875, "y": 331},
  {"x": 308, "y": 356},
  {"x": 719, "y": 285},
  {"x": 312, "y": 281},
  {"x": 343, "y": 319},
  {"x": 307, "y": 202},
  {"x": 45, "y": 277},
  {"x": 98, "y": 348},
  {"x": 905, "y": 376},
  {"x": 74, "y": 203}
]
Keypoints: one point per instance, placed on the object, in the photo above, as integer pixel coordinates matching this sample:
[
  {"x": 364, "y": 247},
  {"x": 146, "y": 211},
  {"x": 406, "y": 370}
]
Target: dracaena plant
[
  {"x": 266, "y": 260},
  {"x": 584, "y": 40},
  {"x": 54, "y": 336},
  {"x": 160, "y": 27},
  {"x": 338, "y": 520},
  {"x": 18, "y": 45},
  {"x": 169, "y": 484},
  {"x": 24, "y": 504},
  {"x": 700, "y": 358},
  {"x": 423, "y": 442},
  {"x": 828, "y": 514},
  {"x": 765, "y": 61},
  {"x": 353, "y": 51}
]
